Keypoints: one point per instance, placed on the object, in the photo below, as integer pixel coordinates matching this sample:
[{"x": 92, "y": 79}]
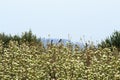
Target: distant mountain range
[{"x": 64, "y": 41}]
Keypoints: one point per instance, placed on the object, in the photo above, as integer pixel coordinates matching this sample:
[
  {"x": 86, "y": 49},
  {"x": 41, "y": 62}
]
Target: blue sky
[{"x": 94, "y": 19}]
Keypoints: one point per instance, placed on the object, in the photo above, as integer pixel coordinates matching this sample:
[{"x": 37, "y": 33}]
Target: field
[{"x": 57, "y": 62}]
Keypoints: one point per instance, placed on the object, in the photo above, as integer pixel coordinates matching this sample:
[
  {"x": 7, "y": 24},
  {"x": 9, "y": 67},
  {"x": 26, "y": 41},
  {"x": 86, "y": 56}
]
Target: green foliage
[
  {"x": 57, "y": 62},
  {"x": 113, "y": 40},
  {"x": 25, "y": 58},
  {"x": 5, "y": 38},
  {"x": 29, "y": 37},
  {"x": 26, "y": 37}
]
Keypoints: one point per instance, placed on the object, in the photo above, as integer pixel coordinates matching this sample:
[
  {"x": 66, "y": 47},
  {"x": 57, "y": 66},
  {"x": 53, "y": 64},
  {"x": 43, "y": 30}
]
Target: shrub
[{"x": 113, "y": 40}]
